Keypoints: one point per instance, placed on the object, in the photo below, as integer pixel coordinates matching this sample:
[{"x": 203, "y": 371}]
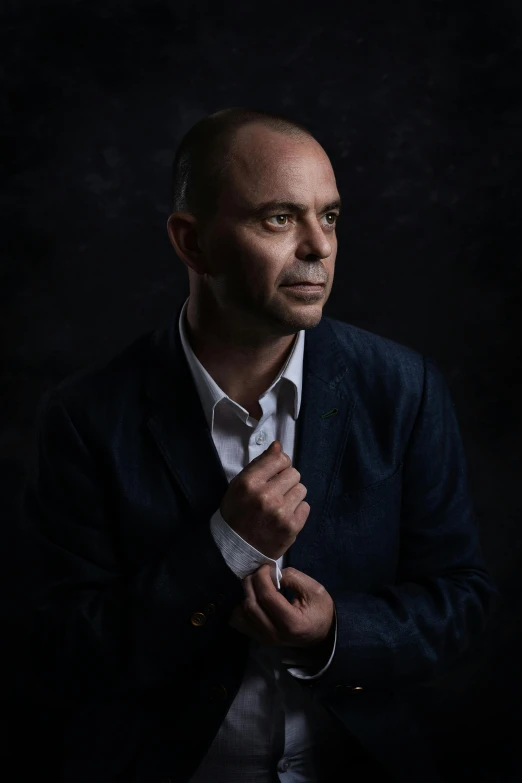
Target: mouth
[
  {"x": 306, "y": 288},
  {"x": 305, "y": 285}
]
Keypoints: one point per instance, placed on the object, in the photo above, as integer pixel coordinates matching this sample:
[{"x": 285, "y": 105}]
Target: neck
[{"x": 244, "y": 371}]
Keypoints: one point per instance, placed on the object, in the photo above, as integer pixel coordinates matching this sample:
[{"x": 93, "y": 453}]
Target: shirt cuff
[
  {"x": 301, "y": 672},
  {"x": 242, "y": 558}
]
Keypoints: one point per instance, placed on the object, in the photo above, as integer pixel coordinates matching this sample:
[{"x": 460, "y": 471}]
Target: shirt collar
[{"x": 211, "y": 394}]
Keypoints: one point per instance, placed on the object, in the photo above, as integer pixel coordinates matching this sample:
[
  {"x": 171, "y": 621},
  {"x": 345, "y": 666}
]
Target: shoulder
[
  {"x": 390, "y": 382},
  {"x": 366, "y": 351},
  {"x": 105, "y": 388}
]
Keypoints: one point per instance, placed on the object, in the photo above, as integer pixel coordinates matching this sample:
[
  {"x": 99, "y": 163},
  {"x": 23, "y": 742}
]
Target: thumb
[
  {"x": 294, "y": 579},
  {"x": 274, "y": 446}
]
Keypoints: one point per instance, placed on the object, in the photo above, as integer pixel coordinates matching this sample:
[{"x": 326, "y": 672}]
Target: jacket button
[
  {"x": 217, "y": 692},
  {"x": 210, "y": 608},
  {"x": 198, "y": 618}
]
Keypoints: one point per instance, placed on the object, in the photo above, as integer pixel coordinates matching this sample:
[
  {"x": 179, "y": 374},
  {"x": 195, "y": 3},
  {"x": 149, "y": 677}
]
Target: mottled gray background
[{"x": 419, "y": 106}]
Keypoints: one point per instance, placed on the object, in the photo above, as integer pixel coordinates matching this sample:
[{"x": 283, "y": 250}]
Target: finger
[
  {"x": 300, "y": 583},
  {"x": 249, "y": 626},
  {"x": 241, "y": 623},
  {"x": 275, "y": 606},
  {"x": 269, "y": 464},
  {"x": 255, "y": 615}
]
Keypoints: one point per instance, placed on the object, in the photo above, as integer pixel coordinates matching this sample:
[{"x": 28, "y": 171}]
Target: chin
[{"x": 297, "y": 318}]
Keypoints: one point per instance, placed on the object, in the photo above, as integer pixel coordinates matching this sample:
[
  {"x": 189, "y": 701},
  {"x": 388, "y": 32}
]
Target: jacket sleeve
[
  {"x": 409, "y": 632},
  {"x": 96, "y": 632}
]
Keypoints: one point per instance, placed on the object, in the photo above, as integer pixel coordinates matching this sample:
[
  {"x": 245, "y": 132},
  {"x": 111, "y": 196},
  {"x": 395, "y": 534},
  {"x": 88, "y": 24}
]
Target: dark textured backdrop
[{"x": 419, "y": 107}]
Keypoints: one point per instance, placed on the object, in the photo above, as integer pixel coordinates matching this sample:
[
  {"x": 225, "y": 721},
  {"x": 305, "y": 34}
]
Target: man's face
[{"x": 251, "y": 253}]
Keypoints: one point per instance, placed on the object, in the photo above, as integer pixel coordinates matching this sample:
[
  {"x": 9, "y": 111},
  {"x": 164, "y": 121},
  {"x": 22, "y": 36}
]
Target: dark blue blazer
[{"x": 121, "y": 554}]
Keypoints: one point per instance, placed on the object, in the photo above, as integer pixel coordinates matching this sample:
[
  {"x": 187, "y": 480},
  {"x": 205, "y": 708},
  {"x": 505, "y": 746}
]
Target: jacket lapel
[
  {"x": 177, "y": 424},
  {"x": 179, "y": 427},
  {"x": 322, "y": 429}
]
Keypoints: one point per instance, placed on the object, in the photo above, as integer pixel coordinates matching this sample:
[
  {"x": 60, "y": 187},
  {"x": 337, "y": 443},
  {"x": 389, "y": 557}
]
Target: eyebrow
[{"x": 278, "y": 207}]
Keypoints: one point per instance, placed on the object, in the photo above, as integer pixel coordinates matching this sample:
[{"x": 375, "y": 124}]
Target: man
[{"x": 204, "y": 620}]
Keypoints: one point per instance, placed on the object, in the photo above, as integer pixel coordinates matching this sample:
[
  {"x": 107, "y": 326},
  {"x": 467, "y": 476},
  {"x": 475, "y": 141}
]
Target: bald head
[
  {"x": 261, "y": 161},
  {"x": 203, "y": 156}
]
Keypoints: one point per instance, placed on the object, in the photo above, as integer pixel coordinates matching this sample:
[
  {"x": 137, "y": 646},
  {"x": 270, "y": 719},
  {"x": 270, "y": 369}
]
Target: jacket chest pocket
[
  {"x": 363, "y": 535},
  {"x": 388, "y": 490}
]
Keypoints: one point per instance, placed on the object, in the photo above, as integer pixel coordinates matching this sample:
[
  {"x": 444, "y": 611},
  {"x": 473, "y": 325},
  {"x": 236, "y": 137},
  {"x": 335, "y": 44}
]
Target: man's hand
[
  {"x": 264, "y": 503},
  {"x": 267, "y": 616}
]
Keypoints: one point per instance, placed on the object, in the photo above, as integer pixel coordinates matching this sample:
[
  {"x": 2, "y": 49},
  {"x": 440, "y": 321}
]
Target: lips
[{"x": 304, "y": 283}]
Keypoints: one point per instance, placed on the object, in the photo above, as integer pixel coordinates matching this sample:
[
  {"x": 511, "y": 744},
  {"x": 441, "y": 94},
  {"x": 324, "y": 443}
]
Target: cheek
[
  {"x": 256, "y": 263},
  {"x": 267, "y": 248}
]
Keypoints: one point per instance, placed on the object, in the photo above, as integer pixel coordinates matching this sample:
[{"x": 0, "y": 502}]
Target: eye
[
  {"x": 335, "y": 215},
  {"x": 278, "y": 216}
]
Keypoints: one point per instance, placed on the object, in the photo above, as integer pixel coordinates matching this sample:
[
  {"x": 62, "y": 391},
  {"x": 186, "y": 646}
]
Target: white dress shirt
[{"x": 273, "y": 722}]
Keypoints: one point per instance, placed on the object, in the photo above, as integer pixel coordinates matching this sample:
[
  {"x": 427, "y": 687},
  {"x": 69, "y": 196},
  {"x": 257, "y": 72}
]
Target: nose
[{"x": 313, "y": 241}]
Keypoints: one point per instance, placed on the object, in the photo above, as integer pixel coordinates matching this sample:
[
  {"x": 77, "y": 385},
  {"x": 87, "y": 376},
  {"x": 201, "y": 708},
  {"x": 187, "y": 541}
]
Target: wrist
[{"x": 326, "y": 642}]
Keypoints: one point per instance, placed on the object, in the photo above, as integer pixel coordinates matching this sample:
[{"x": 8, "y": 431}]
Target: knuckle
[
  {"x": 243, "y": 483},
  {"x": 263, "y": 498},
  {"x": 279, "y": 514}
]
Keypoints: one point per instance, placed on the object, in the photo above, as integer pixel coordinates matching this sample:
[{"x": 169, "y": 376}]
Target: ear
[{"x": 184, "y": 237}]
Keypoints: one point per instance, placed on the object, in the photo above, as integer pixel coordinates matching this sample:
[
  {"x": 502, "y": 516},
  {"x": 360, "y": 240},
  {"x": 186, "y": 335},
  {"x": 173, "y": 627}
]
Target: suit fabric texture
[{"x": 120, "y": 555}]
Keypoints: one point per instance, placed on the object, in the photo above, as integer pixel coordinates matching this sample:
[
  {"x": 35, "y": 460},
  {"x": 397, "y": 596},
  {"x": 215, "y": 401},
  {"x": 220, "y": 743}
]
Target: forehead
[{"x": 266, "y": 163}]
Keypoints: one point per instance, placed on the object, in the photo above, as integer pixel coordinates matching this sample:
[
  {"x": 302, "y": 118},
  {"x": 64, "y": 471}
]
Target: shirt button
[
  {"x": 260, "y": 437},
  {"x": 283, "y": 765},
  {"x": 198, "y": 618}
]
